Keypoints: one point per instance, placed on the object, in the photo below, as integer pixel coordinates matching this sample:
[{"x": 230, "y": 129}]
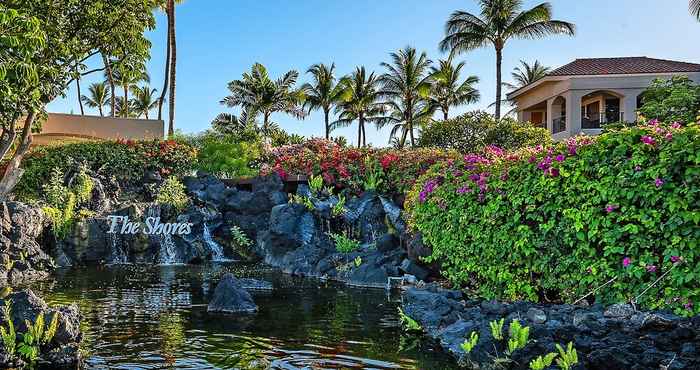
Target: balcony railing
[
  {"x": 595, "y": 119},
  {"x": 559, "y": 124}
]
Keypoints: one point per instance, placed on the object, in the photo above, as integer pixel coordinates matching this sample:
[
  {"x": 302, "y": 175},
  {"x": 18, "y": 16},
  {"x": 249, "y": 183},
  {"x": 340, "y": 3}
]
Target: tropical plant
[
  {"x": 360, "y": 103},
  {"x": 123, "y": 107},
  {"x": 374, "y": 174},
  {"x": 519, "y": 336},
  {"x": 497, "y": 328},
  {"x": 143, "y": 101},
  {"x": 324, "y": 93},
  {"x": 98, "y": 98},
  {"x": 523, "y": 75},
  {"x": 9, "y": 337},
  {"x": 672, "y": 100},
  {"x": 168, "y": 7},
  {"x": 127, "y": 76},
  {"x": 406, "y": 88},
  {"x": 541, "y": 363},
  {"x": 500, "y": 21},
  {"x": 407, "y": 323},
  {"x": 256, "y": 94},
  {"x": 470, "y": 343},
  {"x": 173, "y": 193},
  {"x": 315, "y": 184},
  {"x": 339, "y": 207},
  {"x": 240, "y": 238},
  {"x": 344, "y": 244},
  {"x": 229, "y": 158},
  {"x": 567, "y": 358},
  {"x": 447, "y": 91},
  {"x": 694, "y": 6}
]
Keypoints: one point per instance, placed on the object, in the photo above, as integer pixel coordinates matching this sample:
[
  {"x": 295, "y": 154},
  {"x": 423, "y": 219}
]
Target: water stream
[{"x": 155, "y": 317}]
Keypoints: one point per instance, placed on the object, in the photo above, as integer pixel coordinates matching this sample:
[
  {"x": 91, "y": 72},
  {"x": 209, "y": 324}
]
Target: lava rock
[
  {"x": 619, "y": 311},
  {"x": 230, "y": 297},
  {"x": 412, "y": 268},
  {"x": 536, "y": 315}
]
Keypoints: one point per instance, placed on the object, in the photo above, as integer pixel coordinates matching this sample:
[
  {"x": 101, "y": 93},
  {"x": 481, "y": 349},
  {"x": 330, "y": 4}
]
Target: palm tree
[
  {"x": 324, "y": 93},
  {"x": 501, "y": 20},
  {"x": 360, "y": 102},
  {"x": 127, "y": 76},
  {"x": 526, "y": 74},
  {"x": 168, "y": 7},
  {"x": 122, "y": 109},
  {"x": 406, "y": 86},
  {"x": 144, "y": 100},
  {"x": 447, "y": 91},
  {"x": 695, "y": 8},
  {"x": 99, "y": 96},
  {"x": 257, "y": 94}
]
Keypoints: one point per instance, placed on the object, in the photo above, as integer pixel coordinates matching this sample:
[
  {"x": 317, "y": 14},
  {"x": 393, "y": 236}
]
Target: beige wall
[{"x": 102, "y": 127}]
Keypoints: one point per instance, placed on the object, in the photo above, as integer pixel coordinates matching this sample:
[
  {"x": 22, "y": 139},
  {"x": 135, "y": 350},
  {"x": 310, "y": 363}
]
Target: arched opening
[
  {"x": 558, "y": 115},
  {"x": 601, "y": 107}
]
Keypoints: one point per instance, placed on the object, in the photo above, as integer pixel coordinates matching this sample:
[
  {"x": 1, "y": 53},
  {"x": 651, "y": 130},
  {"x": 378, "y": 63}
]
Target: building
[
  {"x": 61, "y": 127},
  {"x": 582, "y": 95}
]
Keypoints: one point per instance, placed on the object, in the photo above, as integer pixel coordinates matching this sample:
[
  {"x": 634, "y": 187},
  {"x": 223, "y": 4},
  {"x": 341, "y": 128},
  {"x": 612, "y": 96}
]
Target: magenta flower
[
  {"x": 676, "y": 125},
  {"x": 675, "y": 259},
  {"x": 637, "y": 168},
  {"x": 659, "y": 182},
  {"x": 560, "y": 158},
  {"x": 626, "y": 262},
  {"x": 651, "y": 268},
  {"x": 464, "y": 189},
  {"x": 669, "y": 136},
  {"x": 654, "y": 122},
  {"x": 689, "y": 305},
  {"x": 611, "y": 208},
  {"x": 554, "y": 172},
  {"x": 646, "y": 139}
]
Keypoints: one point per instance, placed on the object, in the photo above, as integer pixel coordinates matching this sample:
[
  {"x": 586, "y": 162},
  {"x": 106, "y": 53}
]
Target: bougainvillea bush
[
  {"x": 348, "y": 168},
  {"x": 126, "y": 160},
  {"x": 614, "y": 213}
]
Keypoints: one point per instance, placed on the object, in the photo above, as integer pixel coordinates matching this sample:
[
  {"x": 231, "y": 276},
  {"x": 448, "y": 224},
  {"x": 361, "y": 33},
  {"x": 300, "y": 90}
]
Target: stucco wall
[{"x": 102, "y": 127}]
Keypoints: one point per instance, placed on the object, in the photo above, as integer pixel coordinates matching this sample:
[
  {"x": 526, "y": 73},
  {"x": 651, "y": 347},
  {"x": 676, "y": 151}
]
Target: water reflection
[{"x": 155, "y": 317}]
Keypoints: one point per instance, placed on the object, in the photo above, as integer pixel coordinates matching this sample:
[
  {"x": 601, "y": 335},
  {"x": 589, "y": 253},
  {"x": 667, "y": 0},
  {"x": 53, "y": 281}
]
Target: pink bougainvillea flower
[
  {"x": 464, "y": 189},
  {"x": 560, "y": 158},
  {"x": 654, "y": 122},
  {"x": 659, "y": 182},
  {"x": 689, "y": 305},
  {"x": 651, "y": 268},
  {"x": 646, "y": 139},
  {"x": 676, "y": 125},
  {"x": 675, "y": 259},
  {"x": 611, "y": 208},
  {"x": 669, "y": 136},
  {"x": 626, "y": 262},
  {"x": 554, "y": 172}
]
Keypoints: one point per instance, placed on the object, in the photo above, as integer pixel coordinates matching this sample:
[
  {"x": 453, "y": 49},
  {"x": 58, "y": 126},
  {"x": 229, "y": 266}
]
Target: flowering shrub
[
  {"x": 553, "y": 223},
  {"x": 127, "y": 160},
  {"x": 350, "y": 167}
]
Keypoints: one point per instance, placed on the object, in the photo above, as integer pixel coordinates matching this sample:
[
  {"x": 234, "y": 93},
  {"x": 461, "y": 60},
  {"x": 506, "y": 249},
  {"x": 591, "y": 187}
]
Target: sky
[{"x": 218, "y": 40}]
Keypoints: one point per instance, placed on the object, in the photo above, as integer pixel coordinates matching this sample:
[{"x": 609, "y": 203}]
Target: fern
[
  {"x": 519, "y": 336},
  {"x": 497, "y": 329},
  {"x": 339, "y": 208},
  {"x": 408, "y": 323},
  {"x": 567, "y": 358},
  {"x": 541, "y": 363},
  {"x": 470, "y": 343},
  {"x": 51, "y": 330},
  {"x": 9, "y": 337},
  {"x": 316, "y": 184},
  {"x": 343, "y": 244}
]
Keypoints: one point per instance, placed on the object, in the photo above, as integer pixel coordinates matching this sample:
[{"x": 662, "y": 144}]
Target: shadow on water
[{"x": 155, "y": 317}]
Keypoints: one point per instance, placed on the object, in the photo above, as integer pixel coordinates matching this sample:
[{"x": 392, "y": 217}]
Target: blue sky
[{"x": 218, "y": 40}]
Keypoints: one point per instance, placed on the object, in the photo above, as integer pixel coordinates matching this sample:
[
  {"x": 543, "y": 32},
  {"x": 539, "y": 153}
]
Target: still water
[{"x": 148, "y": 317}]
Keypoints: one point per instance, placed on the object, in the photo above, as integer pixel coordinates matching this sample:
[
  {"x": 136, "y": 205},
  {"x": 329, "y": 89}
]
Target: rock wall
[
  {"x": 617, "y": 337},
  {"x": 21, "y": 232}
]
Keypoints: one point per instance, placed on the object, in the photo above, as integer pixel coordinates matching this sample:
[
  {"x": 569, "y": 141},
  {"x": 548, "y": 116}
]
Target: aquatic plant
[
  {"x": 541, "y": 363},
  {"x": 519, "y": 336},
  {"x": 497, "y": 329},
  {"x": 172, "y": 192},
  {"x": 407, "y": 323},
  {"x": 470, "y": 343},
  {"x": 344, "y": 244},
  {"x": 567, "y": 358}
]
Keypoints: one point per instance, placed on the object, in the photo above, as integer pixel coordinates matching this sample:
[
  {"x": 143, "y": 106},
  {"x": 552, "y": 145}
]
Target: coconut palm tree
[
  {"x": 257, "y": 94},
  {"x": 168, "y": 7},
  {"x": 361, "y": 103},
  {"x": 98, "y": 98},
  {"x": 144, "y": 100},
  {"x": 500, "y": 21},
  {"x": 127, "y": 76},
  {"x": 123, "y": 109},
  {"x": 695, "y": 8},
  {"x": 447, "y": 91},
  {"x": 324, "y": 93},
  {"x": 406, "y": 88},
  {"x": 526, "y": 74}
]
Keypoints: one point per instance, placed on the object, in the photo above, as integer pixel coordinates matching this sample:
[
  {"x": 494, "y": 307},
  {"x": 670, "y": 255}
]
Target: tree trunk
[
  {"x": 328, "y": 128},
  {"x": 125, "y": 108},
  {"x": 266, "y": 124},
  {"x": 364, "y": 135},
  {"x": 359, "y": 131},
  {"x": 173, "y": 64},
  {"x": 99, "y": 107},
  {"x": 13, "y": 172},
  {"x": 499, "y": 60},
  {"x": 110, "y": 78},
  {"x": 445, "y": 113},
  {"x": 7, "y": 138},
  {"x": 167, "y": 71},
  {"x": 80, "y": 99}
]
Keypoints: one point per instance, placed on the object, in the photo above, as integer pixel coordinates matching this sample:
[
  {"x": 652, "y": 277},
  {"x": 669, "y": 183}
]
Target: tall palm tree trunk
[
  {"x": 99, "y": 108},
  {"x": 328, "y": 130},
  {"x": 360, "y": 123},
  {"x": 173, "y": 64},
  {"x": 445, "y": 113},
  {"x": 167, "y": 70},
  {"x": 80, "y": 100},
  {"x": 110, "y": 78},
  {"x": 126, "y": 100},
  {"x": 499, "y": 61}
]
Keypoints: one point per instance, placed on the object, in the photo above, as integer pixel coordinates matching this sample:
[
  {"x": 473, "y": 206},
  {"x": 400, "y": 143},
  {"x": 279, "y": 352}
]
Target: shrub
[
  {"x": 221, "y": 156},
  {"x": 62, "y": 201},
  {"x": 559, "y": 221},
  {"x": 343, "y": 244},
  {"x": 126, "y": 160},
  {"x": 673, "y": 100},
  {"x": 473, "y": 131},
  {"x": 173, "y": 193}
]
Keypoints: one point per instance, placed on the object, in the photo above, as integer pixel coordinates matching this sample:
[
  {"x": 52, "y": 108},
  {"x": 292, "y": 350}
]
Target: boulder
[
  {"x": 412, "y": 268},
  {"x": 230, "y": 297}
]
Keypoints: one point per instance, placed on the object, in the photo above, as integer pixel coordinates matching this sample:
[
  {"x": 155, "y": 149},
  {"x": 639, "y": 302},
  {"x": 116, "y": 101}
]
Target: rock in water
[{"x": 230, "y": 297}]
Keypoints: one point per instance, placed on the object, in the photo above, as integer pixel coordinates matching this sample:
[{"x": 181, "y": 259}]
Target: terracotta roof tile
[{"x": 624, "y": 65}]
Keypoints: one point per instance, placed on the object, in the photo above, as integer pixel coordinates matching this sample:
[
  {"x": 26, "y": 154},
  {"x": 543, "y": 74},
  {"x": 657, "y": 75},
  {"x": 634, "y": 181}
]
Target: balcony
[
  {"x": 594, "y": 120},
  {"x": 559, "y": 125}
]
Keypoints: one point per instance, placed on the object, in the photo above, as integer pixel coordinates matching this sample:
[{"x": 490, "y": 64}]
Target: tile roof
[{"x": 624, "y": 65}]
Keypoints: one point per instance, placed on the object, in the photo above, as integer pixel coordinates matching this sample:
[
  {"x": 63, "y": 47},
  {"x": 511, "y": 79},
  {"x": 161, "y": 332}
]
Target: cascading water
[
  {"x": 217, "y": 251},
  {"x": 167, "y": 254},
  {"x": 118, "y": 255}
]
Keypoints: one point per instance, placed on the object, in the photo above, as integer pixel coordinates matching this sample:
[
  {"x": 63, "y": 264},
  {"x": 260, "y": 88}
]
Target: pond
[{"x": 156, "y": 317}]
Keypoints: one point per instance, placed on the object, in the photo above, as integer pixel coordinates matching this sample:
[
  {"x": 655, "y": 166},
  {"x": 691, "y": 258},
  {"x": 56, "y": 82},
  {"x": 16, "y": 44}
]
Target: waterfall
[
  {"x": 217, "y": 251},
  {"x": 167, "y": 254},
  {"x": 118, "y": 254}
]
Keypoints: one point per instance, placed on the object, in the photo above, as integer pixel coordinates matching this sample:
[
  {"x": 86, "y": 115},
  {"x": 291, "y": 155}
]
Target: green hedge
[
  {"x": 555, "y": 223},
  {"x": 127, "y": 161}
]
